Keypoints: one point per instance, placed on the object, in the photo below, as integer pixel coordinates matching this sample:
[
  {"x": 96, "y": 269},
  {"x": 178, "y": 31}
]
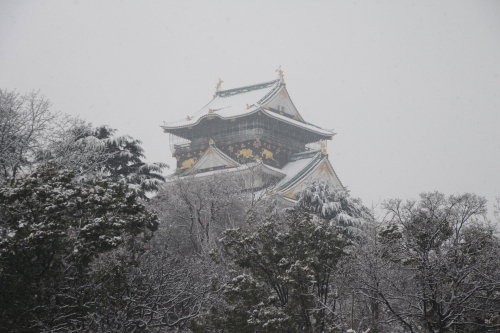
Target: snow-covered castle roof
[
  {"x": 270, "y": 98},
  {"x": 267, "y": 154}
]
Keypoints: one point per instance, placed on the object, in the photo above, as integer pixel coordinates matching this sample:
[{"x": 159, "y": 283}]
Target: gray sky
[{"x": 411, "y": 87}]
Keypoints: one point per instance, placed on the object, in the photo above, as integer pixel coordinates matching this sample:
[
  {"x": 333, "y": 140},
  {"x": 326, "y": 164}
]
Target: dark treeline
[{"x": 84, "y": 249}]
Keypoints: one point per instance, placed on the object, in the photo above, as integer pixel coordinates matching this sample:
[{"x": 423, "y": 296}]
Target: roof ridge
[{"x": 244, "y": 89}]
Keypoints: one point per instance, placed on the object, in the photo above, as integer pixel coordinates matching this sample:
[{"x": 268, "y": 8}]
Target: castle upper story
[
  {"x": 251, "y": 128},
  {"x": 247, "y": 123}
]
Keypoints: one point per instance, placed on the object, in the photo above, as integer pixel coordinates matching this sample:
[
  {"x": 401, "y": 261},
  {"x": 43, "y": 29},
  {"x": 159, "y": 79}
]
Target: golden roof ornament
[
  {"x": 210, "y": 111},
  {"x": 281, "y": 75},
  {"x": 188, "y": 118},
  {"x": 323, "y": 147},
  {"x": 219, "y": 84},
  {"x": 211, "y": 142}
]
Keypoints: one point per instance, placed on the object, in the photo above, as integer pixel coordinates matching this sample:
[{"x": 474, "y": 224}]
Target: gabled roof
[
  {"x": 239, "y": 102},
  {"x": 243, "y": 169},
  {"x": 304, "y": 168},
  {"x": 211, "y": 159},
  {"x": 299, "y": 165}
]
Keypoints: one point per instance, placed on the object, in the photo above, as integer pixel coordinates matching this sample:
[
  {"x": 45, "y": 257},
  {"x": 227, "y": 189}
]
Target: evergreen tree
[
  {"x": 287, "y": 282},
  {"x": 96, "y": 153},
  {"x": 332, "y": 204},
  {"x": 51, "y": 230},
  {"x": 125, "y": 162}
]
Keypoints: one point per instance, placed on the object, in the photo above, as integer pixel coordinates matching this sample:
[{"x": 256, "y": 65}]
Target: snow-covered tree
[
  {"x": 51, "y": 229},
  {"x": 332, "y": 204},
  {"x": 31, "y": 136},
  {"x": 196, "y": 212},
  {"x": 126, "y": 163},
  {"x": 433, "y": 266},
  {"x": 159, "y": 292},
  {"x": 96, "y": 153},
  {"x": 25, "y": 126},
  {"x": 73, "y": 145},
  {"x": 286, "y": 281},
  {"x": 496, "y": 212}
]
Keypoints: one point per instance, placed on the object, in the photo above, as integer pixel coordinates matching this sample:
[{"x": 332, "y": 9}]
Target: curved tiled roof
[
  {"x": 240, "y": 102},
  {"x": 299, "y": 168},
  {"x": 241, "y": 167}
]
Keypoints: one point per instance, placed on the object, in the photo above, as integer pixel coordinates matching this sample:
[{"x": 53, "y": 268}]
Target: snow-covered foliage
[
  {"x": 96, "y": 153},
  {"x": 73, "y": 145},
  {"x": 496, "y": 212},
  {"x": 288, "y": 282},
  {"x": 126, "y": 162},
  {"x": 333, "y": 204},
  {"x": 32, "y": 136},
  {"x": 156, "y": 292},
  {"x": 433, "y": 266},
  {"x": 336, "y": 206},
  {"x": 198, "y": 211},
  {"x": 51, "y": 229}
]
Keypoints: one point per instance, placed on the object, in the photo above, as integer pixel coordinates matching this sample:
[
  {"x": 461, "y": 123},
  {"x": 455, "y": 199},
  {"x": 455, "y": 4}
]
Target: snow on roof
[
  {"x": 231, "y": 103},
  {"x": 241, "y": 167},
  {"x": 240, "y": 102},
  {"x": 298, "y": 123},
  {"x": 299, "y": 164}
]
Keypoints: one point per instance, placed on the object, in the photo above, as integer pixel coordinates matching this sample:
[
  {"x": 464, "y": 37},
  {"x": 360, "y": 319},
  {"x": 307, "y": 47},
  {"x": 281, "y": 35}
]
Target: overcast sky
[{"x": 411, "y": 87}]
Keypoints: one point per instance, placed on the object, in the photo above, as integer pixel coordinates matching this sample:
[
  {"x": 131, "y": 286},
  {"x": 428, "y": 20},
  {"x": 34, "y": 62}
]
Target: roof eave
[{"x": 255, "y": 110}]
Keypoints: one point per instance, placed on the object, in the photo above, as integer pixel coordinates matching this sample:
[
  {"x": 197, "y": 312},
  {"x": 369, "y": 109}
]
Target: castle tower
[{"x": 249, "y": 127}]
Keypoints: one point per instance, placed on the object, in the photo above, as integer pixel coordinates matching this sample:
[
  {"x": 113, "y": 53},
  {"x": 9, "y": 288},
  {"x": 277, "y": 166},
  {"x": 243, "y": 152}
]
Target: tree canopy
[{"x": 51, "y": 229}]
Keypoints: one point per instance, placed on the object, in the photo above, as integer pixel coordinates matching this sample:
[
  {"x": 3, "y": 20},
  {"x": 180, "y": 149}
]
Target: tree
[
  {"x": 31, "y": 136},
  {"x": 25, "y": 125},
  {"x": 197, "y": 211},
  {"x": 333, "y": 205},
  {"x": 73, "y": 145},
  {"x": 96, "y": 153},
  {"x": 125, "y": 162},
  {"x": 52, "y": 229},
  {"x": 496, "y": 211},
  {"x": 434, "y": 265},
  {"x": 160, "y": 292},
  {"x": 287, "y": 279}
]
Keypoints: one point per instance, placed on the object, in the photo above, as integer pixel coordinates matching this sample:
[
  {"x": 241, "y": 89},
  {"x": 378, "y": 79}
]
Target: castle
[{"x": 249, "y": 129}]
